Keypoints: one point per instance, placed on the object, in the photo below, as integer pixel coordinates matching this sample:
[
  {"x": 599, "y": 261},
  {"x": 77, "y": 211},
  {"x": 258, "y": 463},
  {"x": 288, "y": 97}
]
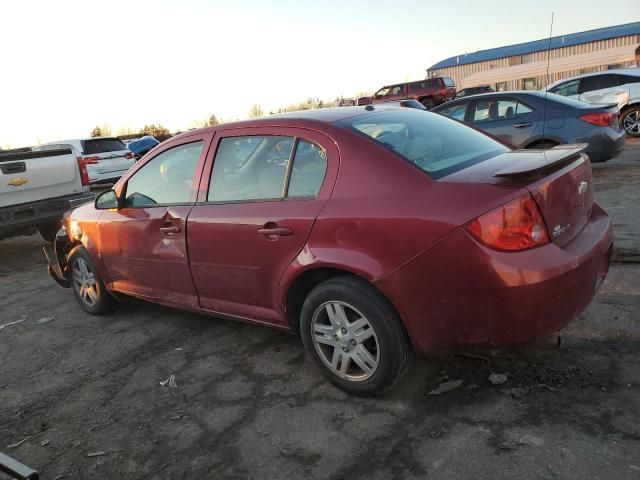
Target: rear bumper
[
  {"x": 20, "y": 219},
  {"x": 604, "y": 143},
  {"x": 460, "y": 293}
]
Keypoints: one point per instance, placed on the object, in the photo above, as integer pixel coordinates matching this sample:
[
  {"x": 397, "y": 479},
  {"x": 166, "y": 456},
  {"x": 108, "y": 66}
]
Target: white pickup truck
[{"x": 36, "y": 188}]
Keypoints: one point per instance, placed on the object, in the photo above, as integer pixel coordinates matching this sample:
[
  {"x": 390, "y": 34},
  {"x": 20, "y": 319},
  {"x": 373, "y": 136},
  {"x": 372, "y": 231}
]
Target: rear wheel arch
[
  {"x": 300, "y": 287},
  {"x": 540, "y": 141}
]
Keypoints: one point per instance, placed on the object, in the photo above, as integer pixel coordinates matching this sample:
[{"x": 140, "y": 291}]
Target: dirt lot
[{"x": 83, "y": 396}]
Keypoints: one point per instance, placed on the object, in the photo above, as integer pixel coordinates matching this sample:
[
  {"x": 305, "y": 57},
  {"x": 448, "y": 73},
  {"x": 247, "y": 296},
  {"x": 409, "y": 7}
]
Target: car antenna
[{"x": 546, "y": 91}]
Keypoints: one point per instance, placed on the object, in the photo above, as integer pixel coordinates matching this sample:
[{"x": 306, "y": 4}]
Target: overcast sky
[{"x": 69, "y": 65}]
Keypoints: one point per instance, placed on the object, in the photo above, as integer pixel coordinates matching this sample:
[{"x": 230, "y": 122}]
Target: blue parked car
[
  {"x": 517, "y": 118},
  {"x": 140, "y": 146}
]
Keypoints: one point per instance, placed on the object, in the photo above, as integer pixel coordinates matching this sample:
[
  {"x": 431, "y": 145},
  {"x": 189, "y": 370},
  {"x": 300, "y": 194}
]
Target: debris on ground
[
  {"x": 44, "y": 320},
  {"x": 516, "y": 392},
  {"x": 44, "y": 443},
  {"x": 96, "y": 454},
  {"x": 17, "y": 444},
  {"x": 169, "y": 382},
  {"x": 446, "y": 387},
  {"x": 12, "y": 323},
  {"x": 509, "y": 445},
  {"x": 498, "y": 378}
]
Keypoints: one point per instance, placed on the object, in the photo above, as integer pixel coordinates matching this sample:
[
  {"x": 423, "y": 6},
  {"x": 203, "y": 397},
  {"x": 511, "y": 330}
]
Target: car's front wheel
[
  {"x": 354, "y": 335},
  {"x": 87, "y": 285},
  {"x": 630, "y": 121}
]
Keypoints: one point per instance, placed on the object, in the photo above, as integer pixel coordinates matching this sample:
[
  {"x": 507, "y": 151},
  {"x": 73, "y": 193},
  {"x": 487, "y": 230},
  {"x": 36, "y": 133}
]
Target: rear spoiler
[{"x": 532, "y": 161}]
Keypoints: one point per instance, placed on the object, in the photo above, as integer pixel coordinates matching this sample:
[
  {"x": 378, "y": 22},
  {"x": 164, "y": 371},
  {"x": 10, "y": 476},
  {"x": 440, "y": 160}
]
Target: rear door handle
[
  {"x": 522, "y": 125},
  {"x": 170, "y": 229},
  {"x": 279, "y": 231}
]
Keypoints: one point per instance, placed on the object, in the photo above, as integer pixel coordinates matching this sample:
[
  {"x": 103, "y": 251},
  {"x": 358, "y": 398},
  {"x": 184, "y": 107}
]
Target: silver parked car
[{"x": 618, "y": 86}]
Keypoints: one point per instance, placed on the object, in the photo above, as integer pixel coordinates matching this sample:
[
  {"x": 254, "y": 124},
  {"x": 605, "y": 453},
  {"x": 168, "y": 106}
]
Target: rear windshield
[
  {"x": 435, "y": 144},
  {"x": 448, "y": 82},
  {"x": 569, "y": 102},
  {"x": 102, "y": 145}
]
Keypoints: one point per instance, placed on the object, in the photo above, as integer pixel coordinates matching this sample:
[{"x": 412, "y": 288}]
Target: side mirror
[{"x": 107, "y": 200}]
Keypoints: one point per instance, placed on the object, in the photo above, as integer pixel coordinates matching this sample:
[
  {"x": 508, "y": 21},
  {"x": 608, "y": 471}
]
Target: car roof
[
  {"x": 523, "y": 93},
  {"x": 621, "y": 71},
  {"x": 317, "y": 116}
]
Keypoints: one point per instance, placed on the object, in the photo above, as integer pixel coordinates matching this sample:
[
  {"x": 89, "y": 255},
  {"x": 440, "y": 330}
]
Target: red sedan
[{"x": 368, "y": 231}]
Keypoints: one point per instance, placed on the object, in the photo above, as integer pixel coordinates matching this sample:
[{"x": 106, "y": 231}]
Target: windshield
[
  {"x": 102, "y": 145},
  {"x": 435, "y": 144}
]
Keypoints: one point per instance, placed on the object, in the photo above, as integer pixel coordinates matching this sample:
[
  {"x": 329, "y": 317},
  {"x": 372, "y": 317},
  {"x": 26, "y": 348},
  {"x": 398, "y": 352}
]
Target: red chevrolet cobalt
[{"x": 371, "y": 232}]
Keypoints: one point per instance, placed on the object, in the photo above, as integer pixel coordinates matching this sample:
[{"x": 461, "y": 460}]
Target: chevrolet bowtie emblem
[{"x": 16, "y": 182}]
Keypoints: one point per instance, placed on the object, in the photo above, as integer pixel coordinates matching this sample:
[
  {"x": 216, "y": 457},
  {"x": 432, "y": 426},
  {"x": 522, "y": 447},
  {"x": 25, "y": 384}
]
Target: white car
[
  {"x": 106, "y": 158},
  {"x": 618, "y": 86}
]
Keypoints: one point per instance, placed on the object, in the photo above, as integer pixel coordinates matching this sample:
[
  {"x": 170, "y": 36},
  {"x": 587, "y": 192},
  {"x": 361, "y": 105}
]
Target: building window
[
  {"x": 530, "y": 84},
  {"x": 501, "y": 87},
  {"x": 528, "y": 58},
  {"x": 615, "y": 65}
]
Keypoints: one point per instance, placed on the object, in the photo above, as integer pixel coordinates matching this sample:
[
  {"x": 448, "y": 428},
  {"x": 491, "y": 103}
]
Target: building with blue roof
[{"x": 532, "y": 65}]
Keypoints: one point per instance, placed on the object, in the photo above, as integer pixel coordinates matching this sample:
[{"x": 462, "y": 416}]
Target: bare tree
[
  {"x": 103, "y": 130},
  {"x": 256, "y": 111}
]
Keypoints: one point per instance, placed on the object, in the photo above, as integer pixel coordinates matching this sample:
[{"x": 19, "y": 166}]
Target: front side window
[
  {"x": 397, "y": 90},
  {"x": 383, "y": 92},
  {"x": 566, "y": 89},
  {"x": 435, "y": 144},
  {"x": 457, "y": 111},
  {"x": 165, "y": 179}
]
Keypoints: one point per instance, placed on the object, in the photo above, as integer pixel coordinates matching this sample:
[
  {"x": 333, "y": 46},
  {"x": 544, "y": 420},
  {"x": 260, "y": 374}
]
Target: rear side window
[
  {"x": 102, "y": 145},
  {"x": 165, "y": 179},
  {"x": 598, "y": 82},
  {"x": 307, "y": 172},
  {"x": 432, "y": 83},
  {"x": 566, "y": 89},
  {"x": 250, "y": 168},
  {"x": 435, "y": 144},
  {"x": 624, "y": 79}
]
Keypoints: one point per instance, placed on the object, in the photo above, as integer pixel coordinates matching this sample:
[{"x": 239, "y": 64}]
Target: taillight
[
  {"x": 82, "y": 166},
  {"x": 517, "y": 225},
  {"x": 444, "y": 92},
  {"x": 600, "y": 119},
  {"x": 128, "y": 155}
]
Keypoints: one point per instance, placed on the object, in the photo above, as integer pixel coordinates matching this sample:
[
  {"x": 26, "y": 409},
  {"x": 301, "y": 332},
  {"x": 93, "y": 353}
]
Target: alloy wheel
[
  {"x": 84, "y": 282},
  {"x": 345, "y": 341},
  {"x": 631, "y": 123}
]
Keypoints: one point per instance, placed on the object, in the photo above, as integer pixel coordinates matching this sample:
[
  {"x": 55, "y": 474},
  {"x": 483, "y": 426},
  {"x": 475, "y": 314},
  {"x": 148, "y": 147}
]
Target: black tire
[
  {"x": 632, "y": 118},
  {"x": 393, "y": 350},
  {"x": 428, "y": 103},
  {"x": 48, "y": 230},
  {"x": 96, "y": 302}
]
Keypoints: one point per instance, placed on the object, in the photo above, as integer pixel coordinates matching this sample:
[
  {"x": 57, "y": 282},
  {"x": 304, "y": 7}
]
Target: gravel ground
[{"x": 82, "y": 397}]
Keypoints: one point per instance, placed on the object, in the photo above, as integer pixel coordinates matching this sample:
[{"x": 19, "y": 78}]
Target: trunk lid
[{"x": 559, "y": 179}]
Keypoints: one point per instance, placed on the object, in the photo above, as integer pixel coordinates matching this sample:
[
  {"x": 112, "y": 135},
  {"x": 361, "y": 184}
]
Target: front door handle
[
  {"x": 170, "y": 229},
  {"x": 522, "y": 125}
]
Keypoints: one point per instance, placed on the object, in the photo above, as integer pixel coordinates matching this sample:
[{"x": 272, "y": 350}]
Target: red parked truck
[{"x": 430, "y": 92}]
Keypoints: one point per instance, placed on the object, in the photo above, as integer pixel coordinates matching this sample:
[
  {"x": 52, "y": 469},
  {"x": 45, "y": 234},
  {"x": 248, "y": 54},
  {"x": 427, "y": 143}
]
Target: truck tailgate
[{"x": 32, "y": 176}]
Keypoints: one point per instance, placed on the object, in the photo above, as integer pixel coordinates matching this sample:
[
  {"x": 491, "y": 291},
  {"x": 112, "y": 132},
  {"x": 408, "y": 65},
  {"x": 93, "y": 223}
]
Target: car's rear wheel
[
  {"x": 87, "y": 285},
  {"x": 354, "y": 335},
  {"x": 630, "y": 121},
  {"x": 428, "y": 103}
]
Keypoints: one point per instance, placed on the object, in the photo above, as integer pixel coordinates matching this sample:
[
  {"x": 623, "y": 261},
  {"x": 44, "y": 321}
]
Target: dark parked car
[
  {"x": 429, "y": 92},
  {"x": 368, "y": 231},
  {"x": 465, "y": 92},
  {"x": 534, "y": 119}
]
